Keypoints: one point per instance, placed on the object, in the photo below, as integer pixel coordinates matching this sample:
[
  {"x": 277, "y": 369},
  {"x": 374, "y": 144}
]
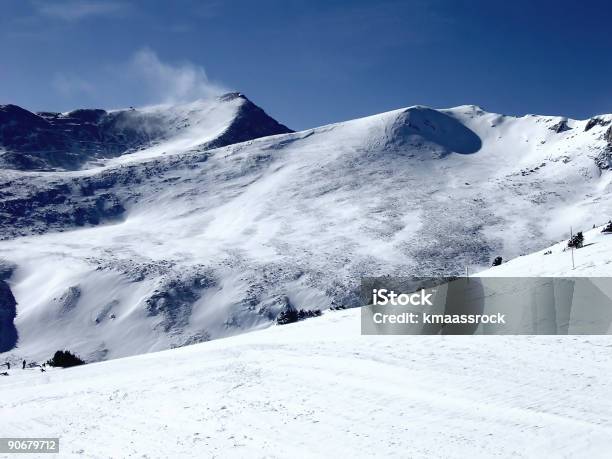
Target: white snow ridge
[{"x": 116, "y": 240}]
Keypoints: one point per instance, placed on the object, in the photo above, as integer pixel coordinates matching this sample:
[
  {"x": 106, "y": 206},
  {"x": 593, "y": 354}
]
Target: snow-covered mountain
[
  {"x": 179, "y": 243},
  {"x": 73, "y": 140}
]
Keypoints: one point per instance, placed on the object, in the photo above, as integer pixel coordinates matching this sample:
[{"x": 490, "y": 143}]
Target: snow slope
[
  {"x": 319, "y": 389},
  {"x": 592, "y": 260},
  {"x": 180, "y": 244}
]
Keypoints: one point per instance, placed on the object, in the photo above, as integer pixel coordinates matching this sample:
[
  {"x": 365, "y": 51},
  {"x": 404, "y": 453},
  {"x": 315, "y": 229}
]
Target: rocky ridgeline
[
  {"x": 604, "y": 158},
  {"x": 51, "y": 141},
  {"x": 48, "y": 141}
]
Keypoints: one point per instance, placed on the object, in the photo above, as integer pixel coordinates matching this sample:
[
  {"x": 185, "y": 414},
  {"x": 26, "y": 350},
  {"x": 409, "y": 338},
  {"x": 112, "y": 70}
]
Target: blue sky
[{"x": 312, "y": 62}]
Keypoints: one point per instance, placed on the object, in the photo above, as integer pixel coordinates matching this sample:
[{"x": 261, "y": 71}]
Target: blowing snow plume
[
  {"x": 180, "y": 83},
  {"x": 140, "y": 79}
]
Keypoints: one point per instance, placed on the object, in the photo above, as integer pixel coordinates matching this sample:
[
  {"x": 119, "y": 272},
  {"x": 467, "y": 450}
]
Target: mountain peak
[
  {"x": 229, "y": 96},
  {"x": 69, "y": 141},
  {"x": 250, "y": 122}
]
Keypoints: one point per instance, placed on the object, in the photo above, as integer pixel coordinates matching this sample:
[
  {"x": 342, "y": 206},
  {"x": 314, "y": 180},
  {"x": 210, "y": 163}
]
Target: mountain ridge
[
  {"x": 47, "y": 141},
  {"x": 179, "y": 242}
]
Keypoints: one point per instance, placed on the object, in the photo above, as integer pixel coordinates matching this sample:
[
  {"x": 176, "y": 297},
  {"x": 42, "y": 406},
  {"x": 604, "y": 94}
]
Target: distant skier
[
  {"x": 8, "y": 365},
  {"x": 24, "y": 364}
]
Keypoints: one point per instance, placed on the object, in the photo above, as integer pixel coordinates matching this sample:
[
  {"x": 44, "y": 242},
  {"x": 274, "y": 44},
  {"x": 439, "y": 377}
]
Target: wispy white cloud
[
  {"x": 173, "y": 83},
  {"x": 142, "y": 79},
  {"x": 74, "y": 10}
]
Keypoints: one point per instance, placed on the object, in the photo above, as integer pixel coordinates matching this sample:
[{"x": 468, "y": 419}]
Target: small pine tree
[
  {"x": 577, "y": 241},
  {"x": 287, "y": 316},
  {"x": 303, "y": 314},
  {"x": 65, "y": 359},
  {"x": 497, "y": 261}
]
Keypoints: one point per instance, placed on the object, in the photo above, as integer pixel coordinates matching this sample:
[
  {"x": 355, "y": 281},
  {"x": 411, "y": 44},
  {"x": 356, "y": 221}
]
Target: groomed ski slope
[{"x": 319, "y": 389}]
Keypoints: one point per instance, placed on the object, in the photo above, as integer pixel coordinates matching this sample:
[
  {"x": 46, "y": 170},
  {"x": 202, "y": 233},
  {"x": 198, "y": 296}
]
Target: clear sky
[{"x": 310, "y": 62}]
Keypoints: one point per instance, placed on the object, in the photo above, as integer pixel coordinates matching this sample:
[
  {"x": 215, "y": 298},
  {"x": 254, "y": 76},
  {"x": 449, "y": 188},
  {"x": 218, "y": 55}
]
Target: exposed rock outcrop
[
  {"x": 8, "y": 309},
  {"x": 561, "y": 126},
  {"x": 592, "y": 122}
]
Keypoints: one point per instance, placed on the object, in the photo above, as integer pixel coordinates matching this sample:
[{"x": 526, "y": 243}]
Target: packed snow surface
[{"x": 319, "y": 389}]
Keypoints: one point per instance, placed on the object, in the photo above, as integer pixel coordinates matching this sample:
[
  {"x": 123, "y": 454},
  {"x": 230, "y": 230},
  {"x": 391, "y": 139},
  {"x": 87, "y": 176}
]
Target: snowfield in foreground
[{"x": 318, "y": 388}]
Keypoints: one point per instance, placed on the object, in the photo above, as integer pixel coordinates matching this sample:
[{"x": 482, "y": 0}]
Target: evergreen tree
[
  {"x": 65, "y": 359},
  {"x": 577, "y": 240},
  {"x": 288, "y": 315}
]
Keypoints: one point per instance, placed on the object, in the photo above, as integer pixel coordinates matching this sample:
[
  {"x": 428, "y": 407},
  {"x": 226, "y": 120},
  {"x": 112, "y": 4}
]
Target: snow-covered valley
[{"x": 181, "y": 242}]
